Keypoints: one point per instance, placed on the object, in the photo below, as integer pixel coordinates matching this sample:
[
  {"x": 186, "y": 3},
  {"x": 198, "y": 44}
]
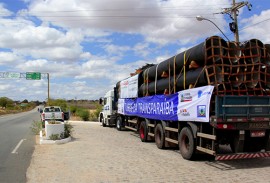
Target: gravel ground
[{"x": 98, "y": 154}]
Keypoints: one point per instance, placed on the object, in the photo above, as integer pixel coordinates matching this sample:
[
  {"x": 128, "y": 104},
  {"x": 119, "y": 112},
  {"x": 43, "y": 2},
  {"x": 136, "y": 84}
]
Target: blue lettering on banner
[
  {"x": 155, "y": 107},
  {"x": 188, "y": 105}
]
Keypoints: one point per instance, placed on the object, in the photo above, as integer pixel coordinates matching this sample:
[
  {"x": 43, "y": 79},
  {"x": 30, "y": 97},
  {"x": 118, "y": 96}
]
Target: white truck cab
[{"x": 106, "y": 116}]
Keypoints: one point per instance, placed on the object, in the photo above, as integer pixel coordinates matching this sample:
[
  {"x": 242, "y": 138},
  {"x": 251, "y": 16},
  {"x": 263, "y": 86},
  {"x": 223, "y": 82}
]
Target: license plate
[
  {"x": 258, "y": 125},
  {"x": 260, "y": 133}
]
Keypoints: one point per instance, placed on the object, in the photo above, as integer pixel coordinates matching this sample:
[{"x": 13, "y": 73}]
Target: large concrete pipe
[
  {"x": 237, "y": 77},
  {"x": 252, "y": 77},
  {"x": 266, "y": 59},
  {"x": 234, "y": 52},
  {"x": 213, "y": 47},
  {"x": 197, "y": 76},
  {"x": 160, "y": 85},
  {"x": 265, "y": 76},
  {"x": 253, "y": 51}
]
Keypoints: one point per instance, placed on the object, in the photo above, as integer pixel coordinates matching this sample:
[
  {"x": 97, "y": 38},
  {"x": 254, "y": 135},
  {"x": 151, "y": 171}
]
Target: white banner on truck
[
  {"x": 121, "y": 106},
  {"x": 194, "y": 104},
  {"x": 129, "y": 87}
]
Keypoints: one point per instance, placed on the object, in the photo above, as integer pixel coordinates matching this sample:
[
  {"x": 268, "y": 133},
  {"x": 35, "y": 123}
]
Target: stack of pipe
[
  {"x": 186, "y": 69},
  {"x": 232, "y": 68}
]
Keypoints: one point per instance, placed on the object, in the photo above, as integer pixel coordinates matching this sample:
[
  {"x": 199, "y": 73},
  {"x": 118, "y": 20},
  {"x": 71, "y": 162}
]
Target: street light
[{"x": 200, "y": 18}]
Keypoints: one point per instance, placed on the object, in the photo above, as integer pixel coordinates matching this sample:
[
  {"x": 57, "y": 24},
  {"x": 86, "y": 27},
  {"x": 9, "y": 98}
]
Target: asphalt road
[{"x": 16, "y": 145}]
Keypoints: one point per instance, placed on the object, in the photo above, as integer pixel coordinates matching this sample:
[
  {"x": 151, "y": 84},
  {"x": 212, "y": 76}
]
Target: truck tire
[
  {"x": 237, "y": 145},
  {"x": 119, "y": 123},
  {"x": 103, "y": 122},
  {"x": 186, "y": 143},
  {"x": 101, "y": 118},
  {"x": 143, "y": 131},
  {"x": 255, "y": 144},
  {"x": 267, "y": 148},
  {"x": 159, "y": 136}
]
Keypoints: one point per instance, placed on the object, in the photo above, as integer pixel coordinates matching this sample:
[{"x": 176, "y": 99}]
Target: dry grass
[
  {"x": 84, "y": 104},
  {"x": 6, "y": 111},
  {"x": 78, "y": 118}
]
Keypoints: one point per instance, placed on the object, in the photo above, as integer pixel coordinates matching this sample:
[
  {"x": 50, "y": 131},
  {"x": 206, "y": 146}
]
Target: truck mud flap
[{"x": 224, "y": 157}]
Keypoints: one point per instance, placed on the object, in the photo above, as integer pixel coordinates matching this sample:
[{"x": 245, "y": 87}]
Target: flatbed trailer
[
  {"x": 240, "y": 122},
  {"x": 236, "y": 113}
]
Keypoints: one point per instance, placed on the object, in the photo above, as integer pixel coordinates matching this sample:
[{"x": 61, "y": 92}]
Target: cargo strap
[
  {"x": 156, "y": 80},
  {"x": 185, "y": 70}
]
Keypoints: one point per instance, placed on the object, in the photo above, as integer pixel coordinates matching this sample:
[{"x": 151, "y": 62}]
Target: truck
[
  {"x": 51, "y": 113},
  {"x": 213, "y": 98}
]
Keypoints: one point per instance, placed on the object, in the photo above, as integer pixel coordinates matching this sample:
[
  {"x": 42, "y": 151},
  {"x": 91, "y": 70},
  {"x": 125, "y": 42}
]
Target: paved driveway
[{"x": 99, "y": 154}]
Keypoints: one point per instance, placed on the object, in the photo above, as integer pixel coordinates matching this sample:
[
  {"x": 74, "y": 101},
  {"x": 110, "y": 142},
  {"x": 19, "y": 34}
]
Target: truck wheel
[
  {"x": 119, "y": 124},
  {"x": 159, "y": 136},
  {"x": 143, "y": 131},
  {"x": 267, "y": 146},
  {"x": 237, "y": 145},
  {"x": 254, "y": 144},
  {"x": 186, "y": 143},
  {"x": 103, "y": 122},
  {"x": 101, "y": 118}
]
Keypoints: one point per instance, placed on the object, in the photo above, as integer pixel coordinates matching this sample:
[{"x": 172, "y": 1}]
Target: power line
[
  {"x": 118, "y": 16},
  {"x": 248, "y": 26},
  {"x": 251, "y": 25},
  {"x": 134, "y": 8}
]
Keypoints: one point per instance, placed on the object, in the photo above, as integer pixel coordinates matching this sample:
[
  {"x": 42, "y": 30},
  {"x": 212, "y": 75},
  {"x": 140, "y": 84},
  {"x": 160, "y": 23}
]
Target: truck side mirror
[{"x": 101, "y": 101}]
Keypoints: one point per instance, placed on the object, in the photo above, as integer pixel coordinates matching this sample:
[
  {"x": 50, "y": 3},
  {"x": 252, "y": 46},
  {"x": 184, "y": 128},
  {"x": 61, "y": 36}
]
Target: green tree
[
  {"x": 83, "y": 113},
  {"x": 25, "y": 101},
  {"x": 98, "y": 109},
  {"x": 4, "y": 102}
]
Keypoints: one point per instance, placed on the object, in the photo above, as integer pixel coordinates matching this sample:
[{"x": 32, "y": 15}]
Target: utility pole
[
  {"x": 233, "y": 12},
  {"x": 48, "y": 77}
]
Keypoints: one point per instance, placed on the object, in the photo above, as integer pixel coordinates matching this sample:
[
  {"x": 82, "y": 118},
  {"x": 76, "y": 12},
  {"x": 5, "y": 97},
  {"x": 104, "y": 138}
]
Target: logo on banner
[
  {"x": 124, "y": 83},
  {"x": 184, "y": 112},
  {"x": 201, "y": 111},
  {"x": 186, "y": 97},
  {"x": 201, "y": 93}
]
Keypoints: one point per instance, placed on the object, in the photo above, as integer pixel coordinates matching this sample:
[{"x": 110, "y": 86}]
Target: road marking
[{"x": 17, "y": 147}]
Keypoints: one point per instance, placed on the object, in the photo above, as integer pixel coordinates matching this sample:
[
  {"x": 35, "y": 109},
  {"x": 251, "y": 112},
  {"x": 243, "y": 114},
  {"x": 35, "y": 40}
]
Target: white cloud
[
  {"x": 4, "y": 86},
  {"x": 257, "y": 26},
  {"x": 41, "y": 42},
  {"x": 159, "y": 21},
  {"x": 115, "y": 49},
  {"x": 9, "y": 58},
  {"x": 82, "y": 43},
  {"x": 142, "y": 49},
  {"x": 45, "y": 66},
  {"x": 4, "y": 12}
]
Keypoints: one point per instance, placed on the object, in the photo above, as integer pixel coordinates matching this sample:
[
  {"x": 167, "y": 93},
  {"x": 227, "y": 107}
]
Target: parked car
[{"x": 51, "y": 113}]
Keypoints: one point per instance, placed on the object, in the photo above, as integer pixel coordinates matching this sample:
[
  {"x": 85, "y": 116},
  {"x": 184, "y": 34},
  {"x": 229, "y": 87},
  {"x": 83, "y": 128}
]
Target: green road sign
[
  {"x": 33, "y": 75},
  {"x": 12, "y": 75}
]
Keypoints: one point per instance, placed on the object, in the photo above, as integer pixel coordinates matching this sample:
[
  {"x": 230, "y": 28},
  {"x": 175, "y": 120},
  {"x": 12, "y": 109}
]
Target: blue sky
[{"x": 87, "y": 46}]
